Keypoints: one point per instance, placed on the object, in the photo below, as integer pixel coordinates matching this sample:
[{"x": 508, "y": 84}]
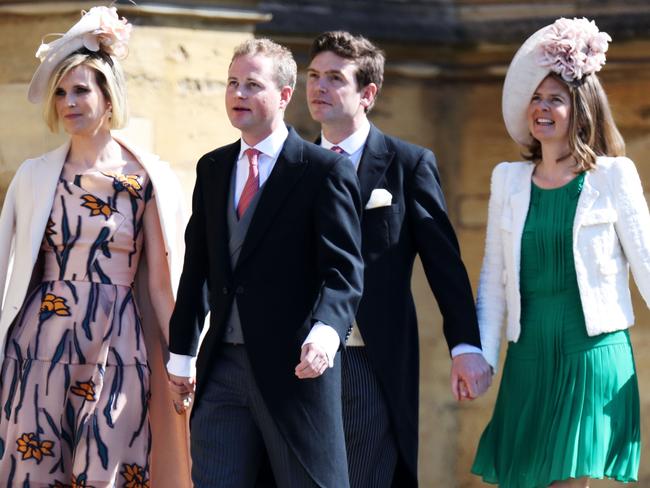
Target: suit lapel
[
  {"x": 221, "y": 177},
  {"x": 287, "y": 171},
  {"x": 374, "y": 161},
  {"x": 44, "y": 183}
]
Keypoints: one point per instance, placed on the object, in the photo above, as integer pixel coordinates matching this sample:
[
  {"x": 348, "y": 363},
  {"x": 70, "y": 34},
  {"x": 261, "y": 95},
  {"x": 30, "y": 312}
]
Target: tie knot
[
  {"x": 337, "y": 149},
  {"x": 252, "y": 154}
]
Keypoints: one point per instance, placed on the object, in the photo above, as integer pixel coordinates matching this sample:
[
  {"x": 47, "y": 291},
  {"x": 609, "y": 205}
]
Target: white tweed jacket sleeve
[
  {"x": 633, "y": 222},
  {"x": 491, "y": 302}
]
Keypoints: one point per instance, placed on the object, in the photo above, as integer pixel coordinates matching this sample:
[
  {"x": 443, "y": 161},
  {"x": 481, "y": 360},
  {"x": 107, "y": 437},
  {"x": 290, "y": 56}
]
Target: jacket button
[
  {"x": 239, "y": 290},
  {"x": 225, "y": 290}
]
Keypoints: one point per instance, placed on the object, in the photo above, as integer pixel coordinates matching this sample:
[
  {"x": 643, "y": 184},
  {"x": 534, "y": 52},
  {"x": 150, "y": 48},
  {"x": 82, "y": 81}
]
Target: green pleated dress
[{"x": 568, "y": 405}]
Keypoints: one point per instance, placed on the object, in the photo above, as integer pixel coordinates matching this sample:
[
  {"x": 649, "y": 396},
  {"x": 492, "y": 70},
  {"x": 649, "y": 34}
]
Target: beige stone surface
[
  {"x": 176, "y": 80},
  {"x": 23, "y": 135},
  {"x": 176, "y": 77}
]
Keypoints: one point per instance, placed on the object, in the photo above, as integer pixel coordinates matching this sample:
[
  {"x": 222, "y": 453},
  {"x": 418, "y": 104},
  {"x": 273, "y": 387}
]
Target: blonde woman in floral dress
[{"x": 80, "y": 362}]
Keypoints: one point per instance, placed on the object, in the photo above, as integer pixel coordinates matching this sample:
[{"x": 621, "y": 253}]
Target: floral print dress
[{"x": 74, "y": 385}]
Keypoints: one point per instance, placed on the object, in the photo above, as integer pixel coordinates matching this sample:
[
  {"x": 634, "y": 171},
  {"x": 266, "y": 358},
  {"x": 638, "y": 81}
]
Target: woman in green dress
[{"x": 564, "y": 229}]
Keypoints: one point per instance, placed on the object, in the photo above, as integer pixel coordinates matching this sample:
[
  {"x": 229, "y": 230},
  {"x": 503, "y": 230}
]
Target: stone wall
[{"x": 446, "y": 97}]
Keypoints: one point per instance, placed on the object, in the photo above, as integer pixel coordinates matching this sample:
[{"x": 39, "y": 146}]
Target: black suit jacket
[
  {"x": 300, "y": 263},
  {"x": 415, "y": 223}
]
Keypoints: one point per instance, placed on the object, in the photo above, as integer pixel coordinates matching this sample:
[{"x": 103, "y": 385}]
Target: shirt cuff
[
  {"x": 326, "y": 338},
  {"x": 181, "y": 365},
  {"x": 465, "y": 349}
]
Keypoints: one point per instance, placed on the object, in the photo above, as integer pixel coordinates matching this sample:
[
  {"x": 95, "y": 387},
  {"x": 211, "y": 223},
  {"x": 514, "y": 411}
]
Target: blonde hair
[
  {"x": 286, "y": 70},
  {"x": 592, "y": 130},
  {"x": 109, "y": 77}
]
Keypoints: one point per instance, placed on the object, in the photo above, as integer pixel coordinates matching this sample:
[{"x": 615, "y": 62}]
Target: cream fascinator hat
[
  {"x": 100, "y": 29},
  {"x": 571, "y": 48}
]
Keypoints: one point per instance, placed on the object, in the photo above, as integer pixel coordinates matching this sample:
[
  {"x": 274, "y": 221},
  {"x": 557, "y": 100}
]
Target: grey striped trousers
[
  {"x": 370, "y": 442},
  {"x": 231, "y": 427}
]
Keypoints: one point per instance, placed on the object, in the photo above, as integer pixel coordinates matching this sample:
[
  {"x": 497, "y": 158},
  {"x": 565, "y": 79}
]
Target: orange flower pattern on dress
[
  {"x": 96, "y": 206},
  {"x": 31, "y": 448},
  {"x": 53, "y": 305},
  {"x": 80, "y": 482},
  {"x": 129, "y": 183},
  {"x": 83, "y": 327},
  {"x": 76, "y": 483},
  {"x": 58, "y": 484},
  {"x": 134, "y": 476},
  {"x": 84, "y": 389}
]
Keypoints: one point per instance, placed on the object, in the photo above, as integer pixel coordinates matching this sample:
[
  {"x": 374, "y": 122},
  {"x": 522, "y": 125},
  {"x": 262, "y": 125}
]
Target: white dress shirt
[
  {"x": 353, "y": 146},
  {"x": 321, "y": 334},
  {"x": 269, "y": 149}
]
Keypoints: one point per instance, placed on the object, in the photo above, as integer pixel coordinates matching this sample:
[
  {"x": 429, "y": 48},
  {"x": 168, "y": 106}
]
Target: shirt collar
[
  {"x": 271, "y": 146},
  {"x": 353, "y": 142}
]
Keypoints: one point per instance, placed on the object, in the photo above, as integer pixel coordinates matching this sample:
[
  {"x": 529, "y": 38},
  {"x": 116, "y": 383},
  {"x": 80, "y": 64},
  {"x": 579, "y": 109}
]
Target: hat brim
[
  {"x": 522, "y": 79},
  {"x": 41, "y": 79},
  {"x": 60, "y": 49}
]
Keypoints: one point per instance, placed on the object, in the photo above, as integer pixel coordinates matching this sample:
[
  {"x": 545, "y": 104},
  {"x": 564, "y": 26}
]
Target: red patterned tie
[
  {"x": 252, "y": 183},
  {"x": 337, "y": 149}
]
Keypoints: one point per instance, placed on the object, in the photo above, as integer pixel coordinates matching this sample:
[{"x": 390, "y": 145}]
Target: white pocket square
[{"x": 379, "y": 198}]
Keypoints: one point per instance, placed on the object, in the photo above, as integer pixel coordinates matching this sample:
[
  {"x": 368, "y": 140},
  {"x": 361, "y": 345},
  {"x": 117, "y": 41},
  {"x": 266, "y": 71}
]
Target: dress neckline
[{"x": 578, "y": 179}]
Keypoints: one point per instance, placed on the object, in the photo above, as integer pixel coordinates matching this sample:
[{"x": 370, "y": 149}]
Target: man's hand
[
  {"x": 471, "y": 376},
  {"x": 182, "y": 388},
  {"x": 313, "y": 362}
]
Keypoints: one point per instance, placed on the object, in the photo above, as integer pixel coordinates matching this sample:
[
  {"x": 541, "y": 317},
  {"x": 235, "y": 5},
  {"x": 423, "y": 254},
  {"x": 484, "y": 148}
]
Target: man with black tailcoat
[
  {"x": 274, "y": 238},
  {"x": 404, "y": 215}
]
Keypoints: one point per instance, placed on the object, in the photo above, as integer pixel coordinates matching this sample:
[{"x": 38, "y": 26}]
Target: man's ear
[
  {"x": 368, "y": 94},
  {"x": 285, "y": 96}
]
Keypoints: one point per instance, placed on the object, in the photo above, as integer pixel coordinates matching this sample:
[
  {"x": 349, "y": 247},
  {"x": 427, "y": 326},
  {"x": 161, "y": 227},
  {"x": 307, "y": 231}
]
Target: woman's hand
[{"x": 182, "y": 389}]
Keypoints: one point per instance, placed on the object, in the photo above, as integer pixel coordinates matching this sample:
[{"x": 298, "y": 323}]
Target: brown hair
[
  {"x": 286, "y": 70},
  {"x": 592, "y": 130},
  {"x": 368, "y": 57}
]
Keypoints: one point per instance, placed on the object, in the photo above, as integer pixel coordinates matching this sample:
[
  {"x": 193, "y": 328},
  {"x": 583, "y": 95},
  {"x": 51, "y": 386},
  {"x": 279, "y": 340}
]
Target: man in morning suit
[
  {"x": 274, "y": 238},
  {"x": 404, "y": 215}
]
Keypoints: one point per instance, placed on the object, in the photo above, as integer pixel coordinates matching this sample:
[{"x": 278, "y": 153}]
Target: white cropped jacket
[{"x": 611, "y": 235}]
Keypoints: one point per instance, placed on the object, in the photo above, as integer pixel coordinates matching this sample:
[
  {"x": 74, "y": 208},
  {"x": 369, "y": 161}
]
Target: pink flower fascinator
[
  {"x": 99, "y": 29},
  {"x": 570, "y": 48},
  {"x": 573, "y": 48}
]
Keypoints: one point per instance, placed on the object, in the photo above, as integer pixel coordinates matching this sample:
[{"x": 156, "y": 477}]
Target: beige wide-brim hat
[
  {"x": 99, "y": 28},
  {"x": 522, "y": 79},
  {"x": 55, "y": 52}
]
